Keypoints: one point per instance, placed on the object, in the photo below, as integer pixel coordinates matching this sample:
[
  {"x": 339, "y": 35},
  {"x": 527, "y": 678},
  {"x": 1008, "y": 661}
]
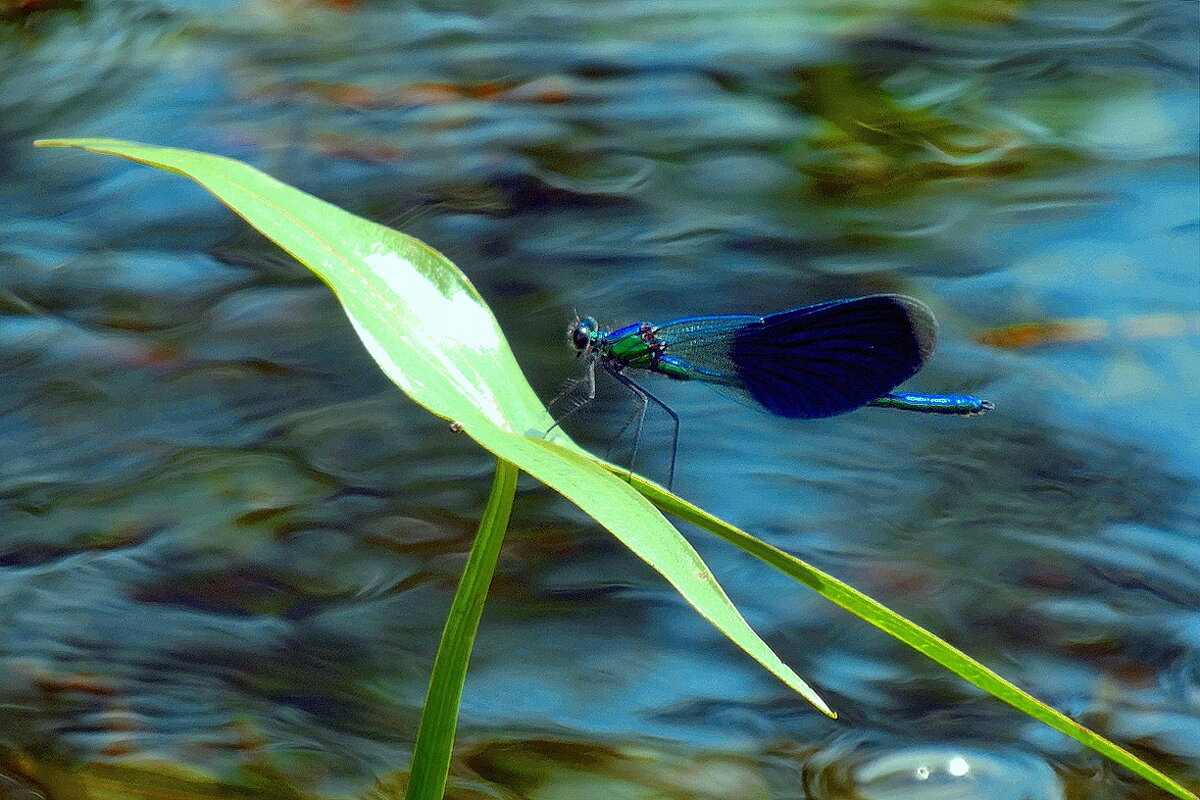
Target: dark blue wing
[
  {"x": 816, "y": 361},
  {"x": 831, "y": 358}
]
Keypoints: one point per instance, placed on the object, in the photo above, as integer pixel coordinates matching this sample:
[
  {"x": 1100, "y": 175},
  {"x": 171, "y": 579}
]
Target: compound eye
[{"x": 581, "y": 335}]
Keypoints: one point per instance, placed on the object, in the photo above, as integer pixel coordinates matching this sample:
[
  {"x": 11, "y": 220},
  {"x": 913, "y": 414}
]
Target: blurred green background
[{"x": 227, "y": 544}]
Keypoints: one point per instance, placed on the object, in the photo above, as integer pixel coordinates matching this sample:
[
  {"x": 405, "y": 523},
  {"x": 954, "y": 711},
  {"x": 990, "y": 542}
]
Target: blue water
[{"x": 226, "y": 540}]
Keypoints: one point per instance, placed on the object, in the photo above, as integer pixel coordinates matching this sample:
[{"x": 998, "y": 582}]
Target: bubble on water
[{"x": 932, "y": 772}]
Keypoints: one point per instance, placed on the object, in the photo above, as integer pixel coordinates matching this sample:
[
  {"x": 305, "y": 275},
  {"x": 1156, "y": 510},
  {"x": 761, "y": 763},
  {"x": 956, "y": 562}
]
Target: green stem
[{"x": 435, "y": 736}]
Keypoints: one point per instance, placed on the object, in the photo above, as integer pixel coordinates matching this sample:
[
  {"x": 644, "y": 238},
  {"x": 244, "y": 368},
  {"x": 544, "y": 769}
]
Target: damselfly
[{"x": 810, "y": 362}]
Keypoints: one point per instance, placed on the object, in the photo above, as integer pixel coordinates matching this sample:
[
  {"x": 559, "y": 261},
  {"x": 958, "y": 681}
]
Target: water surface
[{"x": 227, "y": 543}]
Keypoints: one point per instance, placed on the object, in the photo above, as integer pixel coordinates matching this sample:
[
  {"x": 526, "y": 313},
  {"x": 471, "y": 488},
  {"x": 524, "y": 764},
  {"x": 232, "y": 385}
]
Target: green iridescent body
[
  {"x": 631, "y": 349},
  {"x": 637, "y": 346}
]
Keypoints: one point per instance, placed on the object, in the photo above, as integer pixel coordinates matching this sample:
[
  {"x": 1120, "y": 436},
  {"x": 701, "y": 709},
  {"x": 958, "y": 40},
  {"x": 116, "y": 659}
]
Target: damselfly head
[{"x": 582, "y": 332}]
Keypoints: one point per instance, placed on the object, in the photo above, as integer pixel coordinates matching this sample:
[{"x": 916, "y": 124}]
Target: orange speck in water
[
  {"x": 56, "y": 683},
  {"x": 163, "y": 357},
  {"x": 1090, "y": 329},
  {"x": 1021, "y": 335},
  {"x": 1028, "y": 334},
  {"x": 428, "y": 94},
  {"x": 488, "y": 91},
  {"x": 359, "y": 150},
  {"x": 121, "y": 747},
  {"x": 354, "y": 96}
]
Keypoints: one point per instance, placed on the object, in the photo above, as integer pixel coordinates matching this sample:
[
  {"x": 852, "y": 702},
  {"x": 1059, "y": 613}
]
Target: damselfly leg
[
  {"x": 582, "y": 391},
  {"x": 639, "y": 407},
  {"x": 588, "y": 383},
  {"x": 643, "y": 395}
]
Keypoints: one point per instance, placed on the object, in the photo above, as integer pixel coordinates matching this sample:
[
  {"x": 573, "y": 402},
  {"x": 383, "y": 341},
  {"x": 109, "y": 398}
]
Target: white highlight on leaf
[
  {"x": 384, "y": 359},
  {"x": 435, "y": 324}
]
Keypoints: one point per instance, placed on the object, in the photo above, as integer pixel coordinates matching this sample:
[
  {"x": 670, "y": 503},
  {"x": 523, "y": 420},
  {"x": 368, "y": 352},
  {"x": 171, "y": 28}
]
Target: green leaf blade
[
  {"x": 400, "y": 294},
  {"x": 433, "y": 335}
]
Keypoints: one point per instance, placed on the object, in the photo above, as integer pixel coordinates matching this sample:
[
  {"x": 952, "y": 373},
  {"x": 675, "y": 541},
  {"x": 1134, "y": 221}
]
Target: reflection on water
[{"x": 227, "y": 544}]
